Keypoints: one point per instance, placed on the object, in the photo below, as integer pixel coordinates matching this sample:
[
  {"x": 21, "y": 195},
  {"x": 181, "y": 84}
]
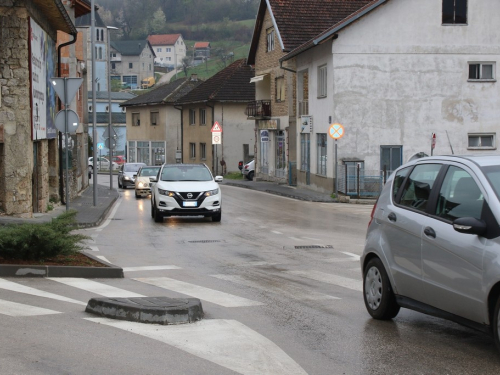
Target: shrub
[{"x": 40, "y": 241}]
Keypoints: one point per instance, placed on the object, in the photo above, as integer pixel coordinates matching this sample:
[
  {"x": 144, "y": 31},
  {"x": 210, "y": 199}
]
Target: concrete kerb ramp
[{"x": 153, "y": 310}]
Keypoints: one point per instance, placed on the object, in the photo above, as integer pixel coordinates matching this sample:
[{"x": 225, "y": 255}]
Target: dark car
[{"x": 126, "y": 174}]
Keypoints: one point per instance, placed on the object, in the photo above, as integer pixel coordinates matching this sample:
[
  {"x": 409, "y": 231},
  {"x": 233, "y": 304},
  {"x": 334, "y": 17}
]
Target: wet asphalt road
[{"x": 284, "y": 274}]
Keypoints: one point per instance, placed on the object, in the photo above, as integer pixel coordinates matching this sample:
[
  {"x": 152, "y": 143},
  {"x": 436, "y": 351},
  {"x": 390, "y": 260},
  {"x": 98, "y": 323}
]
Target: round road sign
[{"x": 336, "y": 131}]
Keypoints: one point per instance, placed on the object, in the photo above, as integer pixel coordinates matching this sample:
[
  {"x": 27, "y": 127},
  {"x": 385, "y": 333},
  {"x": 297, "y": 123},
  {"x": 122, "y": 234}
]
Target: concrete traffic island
[{"x": 155, "y": 310}]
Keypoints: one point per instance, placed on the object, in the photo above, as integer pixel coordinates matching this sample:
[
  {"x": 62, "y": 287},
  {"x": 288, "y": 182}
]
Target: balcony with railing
[{"x": 258, "y": 109}]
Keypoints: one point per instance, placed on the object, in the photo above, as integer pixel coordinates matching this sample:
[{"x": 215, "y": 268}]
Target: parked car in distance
[
  {"x": 126, "y": 174},
  {"x": 433, "y": 242},
  {"x": 248, "y": 169},
  {"x": 120, "y": 159},
  {"x": 144, "y": 179},
  {"x": 186, "y": 190},
  {"x": 102, "y": 163}
]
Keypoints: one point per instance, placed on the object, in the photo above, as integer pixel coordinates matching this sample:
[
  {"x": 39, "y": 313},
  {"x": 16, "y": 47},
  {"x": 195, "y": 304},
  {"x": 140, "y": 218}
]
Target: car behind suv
[
  {"x": 144, "y": 179},
  {"x": 248, "y": 170},
  {"x": 186, "y": 190},
  {"x": 433, "y": 242}
]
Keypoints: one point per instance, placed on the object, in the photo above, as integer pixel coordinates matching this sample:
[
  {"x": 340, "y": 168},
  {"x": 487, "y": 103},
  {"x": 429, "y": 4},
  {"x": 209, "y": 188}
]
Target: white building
[
  {"x": 393, "y": 74},
  {"x": 169, "y": 49}
]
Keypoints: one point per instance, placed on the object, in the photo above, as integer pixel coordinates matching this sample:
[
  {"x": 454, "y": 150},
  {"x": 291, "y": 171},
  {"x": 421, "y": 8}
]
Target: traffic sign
[
  {"x": 113, "y": 133},
  {"x": 216, "y": 128},
  {"x": 100, "y": 146},
  {"x": 66, "y": 92},
  {"x": 108, "y": 144},
  {"x": 73, "y": 121},
  {"x": 433, "y": 141},
  {"x": 216, "y": 139},
  {"x": 336, "y": 131}
]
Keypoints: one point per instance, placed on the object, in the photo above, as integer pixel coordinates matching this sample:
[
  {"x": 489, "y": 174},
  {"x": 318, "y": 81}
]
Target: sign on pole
[
  {"x": 216, "y": 128},
  {"x": 216, "y": 139},
  {"x": 336, "y": 132}
]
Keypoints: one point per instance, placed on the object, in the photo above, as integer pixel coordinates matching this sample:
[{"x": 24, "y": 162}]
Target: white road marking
[
  {"x": 95, "y": 287},
  {"x": 110, "y": 217},
  {"x": 205, "y": 294},
  {"x": 313, "y": 239},
  {"x": 354, "y": 256},
  {"x": 276, "y": 232},
  {"x": 227, "y": 343},
  {"x": 150, "y": 268},
  {"x": 19, "y": 288},
  {"x": 323, "y": 277},
  {"x": 256, "y": 264},
  {"x": 286, "y": 289},
  {"x": 295, "y": 239},
  {"x": 102, "y": 257},
  {"x": 19, "y": 309}
]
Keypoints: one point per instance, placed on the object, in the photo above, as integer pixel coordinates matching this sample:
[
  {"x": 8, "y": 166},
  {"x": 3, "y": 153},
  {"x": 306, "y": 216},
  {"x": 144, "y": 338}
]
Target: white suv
[{"x": 186, "y": 190}]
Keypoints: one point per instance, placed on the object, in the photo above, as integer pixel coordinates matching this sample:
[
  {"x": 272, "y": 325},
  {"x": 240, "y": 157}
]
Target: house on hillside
[
  {"x": 30, "y": 157},
  {"x": 131, "y": 62},
  {"x": 393, "y": 74},
  {"x": 201, "y": 50},
  {"x": 170, "y": 49},
  {"x": 118, "y": 119},
  {"x": 222, "y": 98},
  {"x": 154, "y": 128}
]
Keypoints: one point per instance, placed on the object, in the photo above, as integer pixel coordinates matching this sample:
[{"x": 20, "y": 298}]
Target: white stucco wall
[{"x": 398, "y": 75}]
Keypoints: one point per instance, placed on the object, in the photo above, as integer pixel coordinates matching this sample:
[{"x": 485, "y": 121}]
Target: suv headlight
[
  {"x": 166, "y": 192},
  {"x": 211, "y": 192}
]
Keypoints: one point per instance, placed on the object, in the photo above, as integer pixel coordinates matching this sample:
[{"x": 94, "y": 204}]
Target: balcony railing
[{"x": 258, "y": 108}]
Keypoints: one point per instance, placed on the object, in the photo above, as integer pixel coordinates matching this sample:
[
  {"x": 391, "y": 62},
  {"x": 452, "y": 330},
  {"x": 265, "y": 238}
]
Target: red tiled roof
[
  {"x": 202, "y": 45},
  {"x": 298, "y": 21},
  {"x": 328, "y": 33},
  {"x": 163, "y": 40}
]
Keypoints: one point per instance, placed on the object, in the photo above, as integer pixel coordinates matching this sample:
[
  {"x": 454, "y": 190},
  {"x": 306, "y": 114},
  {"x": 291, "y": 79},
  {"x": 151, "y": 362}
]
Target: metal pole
[
  {"x": 336, "y": 174},
  {"x": 66, "y": 138},
  {"x": 94, "y": 130},
  {"x": 109, "y": 28}
]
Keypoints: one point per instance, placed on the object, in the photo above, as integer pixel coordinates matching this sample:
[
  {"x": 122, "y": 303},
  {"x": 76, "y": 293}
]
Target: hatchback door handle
[
  {"x": 392, "y": 217},
  {"x": 429, "y": 232}
]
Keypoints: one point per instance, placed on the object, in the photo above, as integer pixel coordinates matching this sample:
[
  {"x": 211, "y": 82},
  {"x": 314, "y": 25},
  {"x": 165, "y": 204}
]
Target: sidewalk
[{"x": 88, "y": 215}]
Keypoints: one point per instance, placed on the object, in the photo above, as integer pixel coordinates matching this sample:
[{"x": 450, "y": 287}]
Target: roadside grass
[{"x": 233, "y": 176}]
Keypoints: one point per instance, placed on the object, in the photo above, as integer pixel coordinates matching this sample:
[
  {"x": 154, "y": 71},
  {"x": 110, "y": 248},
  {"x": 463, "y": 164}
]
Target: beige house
[
  {"x": 131, "y": 62},
  {"x": 154, "y": 132},
  {"x": 222, "y": 99}
]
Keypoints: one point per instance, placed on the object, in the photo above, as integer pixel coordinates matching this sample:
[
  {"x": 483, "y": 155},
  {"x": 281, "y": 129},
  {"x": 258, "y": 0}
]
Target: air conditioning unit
[{"x": 306, "y": 124}]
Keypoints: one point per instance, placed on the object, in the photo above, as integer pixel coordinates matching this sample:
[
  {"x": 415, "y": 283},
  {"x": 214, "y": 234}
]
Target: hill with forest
[{"x": 194, "y": 19}]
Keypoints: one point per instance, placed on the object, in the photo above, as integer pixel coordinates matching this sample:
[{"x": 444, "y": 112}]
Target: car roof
[{"x": 480, "y": 160}]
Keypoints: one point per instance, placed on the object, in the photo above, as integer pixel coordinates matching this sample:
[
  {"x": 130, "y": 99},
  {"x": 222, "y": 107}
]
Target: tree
[
  {"x": 159, "y": 21},
  {"x": 186, "y": 63}
]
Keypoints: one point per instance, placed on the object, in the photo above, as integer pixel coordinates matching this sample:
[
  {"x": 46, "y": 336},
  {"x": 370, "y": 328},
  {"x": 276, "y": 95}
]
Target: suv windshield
[
  {"x": 185, "y": 173},
  {"x": 147, "y": 172}
]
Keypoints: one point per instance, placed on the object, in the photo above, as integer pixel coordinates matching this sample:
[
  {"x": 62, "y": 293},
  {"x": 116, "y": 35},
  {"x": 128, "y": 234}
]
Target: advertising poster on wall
[{"x": 43, "y": 97}]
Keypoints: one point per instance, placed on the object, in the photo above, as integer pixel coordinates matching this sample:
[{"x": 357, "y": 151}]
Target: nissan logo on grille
[{"x": 189, "y": 195}]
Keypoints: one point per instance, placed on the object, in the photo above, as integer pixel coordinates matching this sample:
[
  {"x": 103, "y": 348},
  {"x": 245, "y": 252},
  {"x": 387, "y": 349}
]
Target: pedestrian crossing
[{"x": 224, "y": 342}]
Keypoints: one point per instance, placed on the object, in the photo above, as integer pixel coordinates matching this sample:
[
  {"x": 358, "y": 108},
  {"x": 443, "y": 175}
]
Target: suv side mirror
[{"x": 469, "y": 225}]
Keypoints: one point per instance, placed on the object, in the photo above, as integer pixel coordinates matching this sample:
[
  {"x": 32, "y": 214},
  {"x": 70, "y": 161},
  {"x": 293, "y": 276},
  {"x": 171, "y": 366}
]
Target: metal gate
[{"x": 362, "y": 183}]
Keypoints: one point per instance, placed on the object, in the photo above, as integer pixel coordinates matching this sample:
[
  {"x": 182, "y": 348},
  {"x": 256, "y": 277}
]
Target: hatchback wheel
[
  {"x": 377, "y": 291},
  {"x": 496, "y": 324},
  {"x": 250, "y": 175}
]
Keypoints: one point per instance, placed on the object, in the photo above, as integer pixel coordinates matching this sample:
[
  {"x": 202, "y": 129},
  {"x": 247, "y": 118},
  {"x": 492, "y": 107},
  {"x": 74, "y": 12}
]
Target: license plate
[{"x": 190, "y": 204}]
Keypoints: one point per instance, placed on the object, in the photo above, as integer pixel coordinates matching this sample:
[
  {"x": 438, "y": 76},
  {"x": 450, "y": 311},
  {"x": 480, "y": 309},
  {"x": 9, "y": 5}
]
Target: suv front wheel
[{"x": 377, "y": 291}]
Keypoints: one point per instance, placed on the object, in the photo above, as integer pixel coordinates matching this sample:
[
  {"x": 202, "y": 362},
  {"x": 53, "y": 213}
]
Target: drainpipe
[
  {"x": 288, "y": 69},
  {"x": 214, "y": 159},
  {"x": 182, "y": 134},
  {"x": 61, "y": 169}
]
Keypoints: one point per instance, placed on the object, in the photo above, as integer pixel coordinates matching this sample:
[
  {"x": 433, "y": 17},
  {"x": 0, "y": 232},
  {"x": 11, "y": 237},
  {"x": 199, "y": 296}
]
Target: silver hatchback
[{"x": 433, "y": 242}]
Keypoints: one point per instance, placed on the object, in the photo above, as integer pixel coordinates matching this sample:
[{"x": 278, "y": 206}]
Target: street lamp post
[
  {"x": 110, "y": 143},
  {"x": 94, "y": 130}
]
